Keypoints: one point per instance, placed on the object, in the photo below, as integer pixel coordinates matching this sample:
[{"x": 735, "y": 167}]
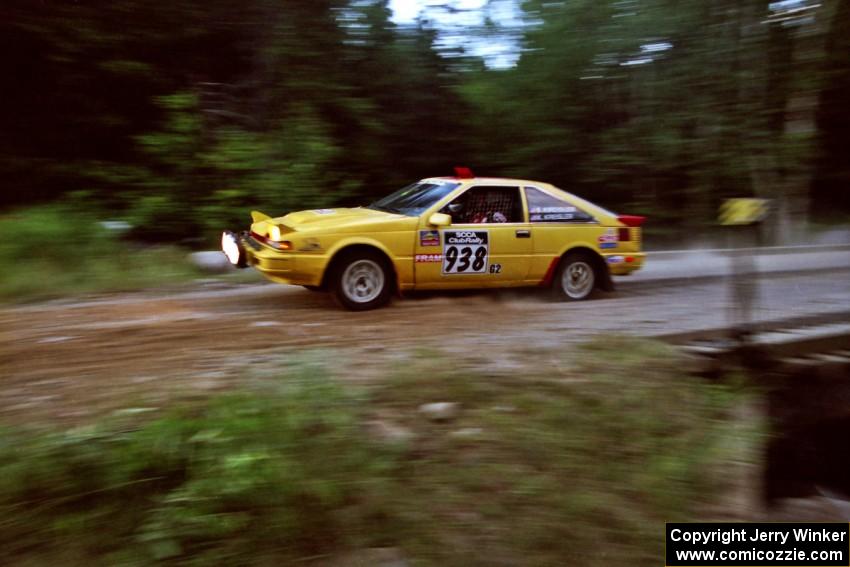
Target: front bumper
[{"x": 282, "y": 267}]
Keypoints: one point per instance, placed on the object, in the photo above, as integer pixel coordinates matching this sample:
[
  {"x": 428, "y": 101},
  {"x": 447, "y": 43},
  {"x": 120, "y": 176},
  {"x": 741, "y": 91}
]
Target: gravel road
[{"x": 70, "y": 359}]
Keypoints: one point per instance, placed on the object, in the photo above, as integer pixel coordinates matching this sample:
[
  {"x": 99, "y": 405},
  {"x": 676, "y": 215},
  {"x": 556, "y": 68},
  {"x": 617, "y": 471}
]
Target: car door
[{"x": 487, "y": 244}]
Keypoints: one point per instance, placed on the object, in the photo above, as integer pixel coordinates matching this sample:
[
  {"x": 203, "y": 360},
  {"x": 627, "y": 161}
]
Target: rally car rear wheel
[
  {"x": 362, "y": 281},
  {"x": 576, "y": 278}
]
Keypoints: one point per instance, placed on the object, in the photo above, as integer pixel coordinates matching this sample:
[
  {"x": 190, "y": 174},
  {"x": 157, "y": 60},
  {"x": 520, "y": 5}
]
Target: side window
[
  {"x": 480, "y": 205},
  {"x": 543, "y": 207}
]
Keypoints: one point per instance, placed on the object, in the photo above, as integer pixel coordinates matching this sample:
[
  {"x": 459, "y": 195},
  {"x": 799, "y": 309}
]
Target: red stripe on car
[{"x": 550, "y": 273}]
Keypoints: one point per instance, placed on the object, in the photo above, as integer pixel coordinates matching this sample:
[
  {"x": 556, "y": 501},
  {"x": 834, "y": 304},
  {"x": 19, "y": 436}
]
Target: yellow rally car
[{"x": 445, "y": 233}]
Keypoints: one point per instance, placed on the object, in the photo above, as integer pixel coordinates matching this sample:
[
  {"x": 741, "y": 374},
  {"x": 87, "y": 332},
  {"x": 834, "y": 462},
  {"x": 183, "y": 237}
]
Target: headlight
[{"x": 274, "y": 233}]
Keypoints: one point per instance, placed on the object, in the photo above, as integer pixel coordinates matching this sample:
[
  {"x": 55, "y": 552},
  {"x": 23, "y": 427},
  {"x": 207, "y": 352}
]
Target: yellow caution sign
[{"x": 743, "y": 211}]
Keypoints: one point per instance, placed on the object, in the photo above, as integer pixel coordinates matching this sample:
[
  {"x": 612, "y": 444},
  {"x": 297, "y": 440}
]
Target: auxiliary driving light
[{"x": 230, "y": 247}]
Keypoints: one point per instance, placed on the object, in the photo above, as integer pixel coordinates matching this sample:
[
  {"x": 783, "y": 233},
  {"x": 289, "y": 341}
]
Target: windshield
[{"x": 414, "y": 199}]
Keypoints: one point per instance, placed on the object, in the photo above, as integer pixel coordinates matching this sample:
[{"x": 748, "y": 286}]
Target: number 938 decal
[{"x": 465, "y": 252}]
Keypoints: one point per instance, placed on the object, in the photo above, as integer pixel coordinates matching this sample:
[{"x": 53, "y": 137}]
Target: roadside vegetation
[
  {"x": 49, "y": 251},
  {"x": 578, "y": 466}
]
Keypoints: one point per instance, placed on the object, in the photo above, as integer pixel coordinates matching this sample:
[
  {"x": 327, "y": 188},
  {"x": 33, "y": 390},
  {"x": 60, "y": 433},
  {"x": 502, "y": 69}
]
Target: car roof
[
  {"x": 588, "y": 205},
  {"x": 490, "y": 180}
]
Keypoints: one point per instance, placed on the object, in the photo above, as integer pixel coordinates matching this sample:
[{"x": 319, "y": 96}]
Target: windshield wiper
[{"x": 384, "y": 208}]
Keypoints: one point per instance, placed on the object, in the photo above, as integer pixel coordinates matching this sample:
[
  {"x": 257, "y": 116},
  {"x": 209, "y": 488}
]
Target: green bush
[
  {"x": 275, "y": 473},
  {"x": 59, "y": 249}
]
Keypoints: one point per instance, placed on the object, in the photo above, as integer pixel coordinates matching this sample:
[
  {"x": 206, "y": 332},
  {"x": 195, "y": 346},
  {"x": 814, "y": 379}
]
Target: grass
[
  {"x": 282, "y": 472},
  {"x": 581, "y": 466},
  {"x": 56, "y": 250},
  {"x": 585, "y": 464}
]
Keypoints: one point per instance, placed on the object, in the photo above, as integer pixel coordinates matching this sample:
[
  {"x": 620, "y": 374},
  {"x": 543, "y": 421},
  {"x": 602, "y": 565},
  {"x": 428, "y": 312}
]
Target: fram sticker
[
  {"x": 429, "y": 238},
  {"x": 607, "y": 245},
  {"x": 324, "y": 211},
  {"x": 615, "y": 259},
  {"x": 424, "y": 258}
]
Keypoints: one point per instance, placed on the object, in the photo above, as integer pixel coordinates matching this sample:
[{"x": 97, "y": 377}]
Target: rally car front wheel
[
  {"x": 576, "y": 277},
  {"x": 361, "y": 281}
]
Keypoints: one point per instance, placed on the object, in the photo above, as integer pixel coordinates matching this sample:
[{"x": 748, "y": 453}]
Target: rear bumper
[{"x": 624, "y": 263}]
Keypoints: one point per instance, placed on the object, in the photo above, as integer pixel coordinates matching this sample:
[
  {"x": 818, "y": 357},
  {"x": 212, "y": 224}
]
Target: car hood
[{"x": 331, "y": 220}]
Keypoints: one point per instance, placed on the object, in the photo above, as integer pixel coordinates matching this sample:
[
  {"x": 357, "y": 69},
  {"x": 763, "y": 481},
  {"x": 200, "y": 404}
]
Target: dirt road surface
[{"x": 70, "y": 360}]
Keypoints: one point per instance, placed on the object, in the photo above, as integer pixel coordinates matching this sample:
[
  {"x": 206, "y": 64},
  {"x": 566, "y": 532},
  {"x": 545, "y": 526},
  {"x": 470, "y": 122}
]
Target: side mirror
[{"x": 440, "y": 219}]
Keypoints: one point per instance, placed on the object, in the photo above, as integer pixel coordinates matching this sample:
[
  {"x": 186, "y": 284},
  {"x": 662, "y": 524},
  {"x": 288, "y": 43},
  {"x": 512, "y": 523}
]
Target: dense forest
[{"x": 181, "y": 116}]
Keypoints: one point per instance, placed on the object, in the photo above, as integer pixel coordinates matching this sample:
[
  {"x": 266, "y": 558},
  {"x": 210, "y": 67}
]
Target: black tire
[
  {"x": 313, "y": 287},
  {"x": 361, "y": 280},
  {"x": 576, "y": 278}
]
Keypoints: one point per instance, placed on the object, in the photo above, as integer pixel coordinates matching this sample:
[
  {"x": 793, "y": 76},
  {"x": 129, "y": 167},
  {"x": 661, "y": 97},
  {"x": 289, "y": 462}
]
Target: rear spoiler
[{"x": 631, "y": 220}]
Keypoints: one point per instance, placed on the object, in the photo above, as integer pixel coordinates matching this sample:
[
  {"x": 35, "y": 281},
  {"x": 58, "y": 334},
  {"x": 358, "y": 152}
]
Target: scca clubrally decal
[{"x": 465, "y": 251}]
